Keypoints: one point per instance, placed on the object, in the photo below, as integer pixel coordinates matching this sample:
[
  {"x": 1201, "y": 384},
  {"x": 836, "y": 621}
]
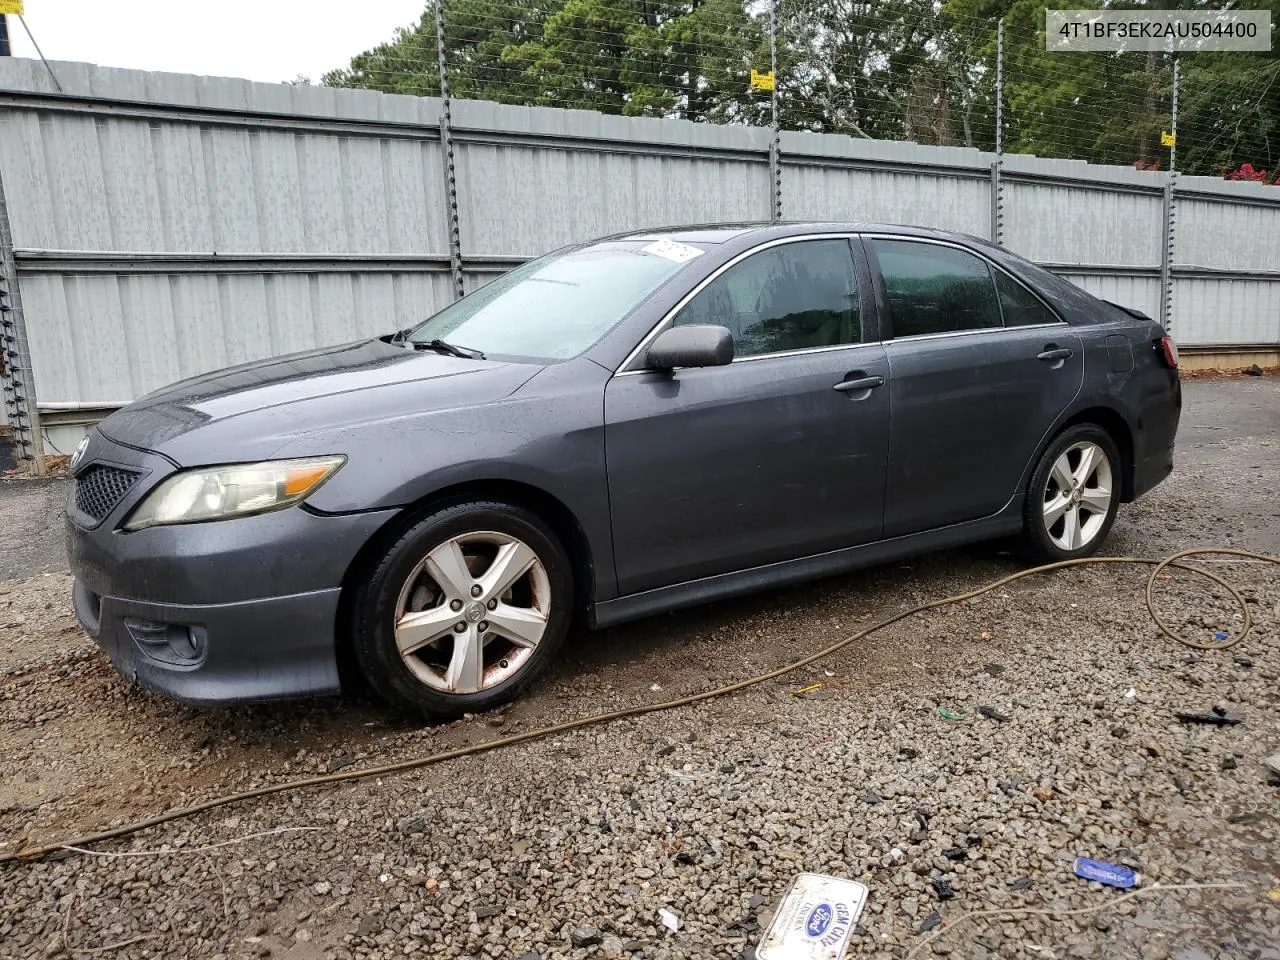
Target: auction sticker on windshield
[
  {"x": 816, "y": 919},
  {"x": 672, "y": 250}
]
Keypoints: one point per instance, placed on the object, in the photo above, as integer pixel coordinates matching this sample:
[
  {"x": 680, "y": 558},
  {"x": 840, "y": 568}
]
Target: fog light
[{"x": 173, "y": 643}]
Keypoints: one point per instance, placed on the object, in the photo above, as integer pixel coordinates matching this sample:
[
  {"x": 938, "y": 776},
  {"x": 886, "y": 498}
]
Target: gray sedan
[{"x": 619, "y": 428}]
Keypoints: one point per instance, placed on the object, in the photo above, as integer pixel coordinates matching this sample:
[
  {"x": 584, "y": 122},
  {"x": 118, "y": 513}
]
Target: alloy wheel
[
  {"x": 472, "y": 612},
  {"x": 1077, "y": 496}
]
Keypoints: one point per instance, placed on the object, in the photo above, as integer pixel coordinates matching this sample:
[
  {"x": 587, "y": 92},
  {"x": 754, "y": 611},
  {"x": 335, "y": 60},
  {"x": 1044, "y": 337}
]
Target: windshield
[{"x": 555, "y": 307}]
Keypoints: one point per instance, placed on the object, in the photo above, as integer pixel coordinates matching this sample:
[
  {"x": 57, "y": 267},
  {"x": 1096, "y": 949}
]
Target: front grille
[{"x": 100, "y": 488}]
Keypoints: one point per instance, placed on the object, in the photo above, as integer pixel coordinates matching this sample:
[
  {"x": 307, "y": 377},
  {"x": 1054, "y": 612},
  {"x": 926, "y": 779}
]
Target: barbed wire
[{"x": 912, "y": 73}]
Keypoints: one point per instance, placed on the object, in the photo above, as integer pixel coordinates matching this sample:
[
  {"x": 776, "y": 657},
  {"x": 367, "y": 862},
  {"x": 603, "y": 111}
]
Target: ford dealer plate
[{"x": 815, "y": 921}]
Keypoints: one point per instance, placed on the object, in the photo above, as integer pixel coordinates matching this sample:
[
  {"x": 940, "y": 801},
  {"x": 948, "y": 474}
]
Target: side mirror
[{"x": 695, "y": 345}]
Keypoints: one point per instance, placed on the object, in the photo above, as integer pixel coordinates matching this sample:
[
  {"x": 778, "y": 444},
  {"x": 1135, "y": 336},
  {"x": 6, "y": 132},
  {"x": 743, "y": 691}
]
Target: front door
[
  {"x": 778, "y": 455},
  {"x": 978, "y": 367}
]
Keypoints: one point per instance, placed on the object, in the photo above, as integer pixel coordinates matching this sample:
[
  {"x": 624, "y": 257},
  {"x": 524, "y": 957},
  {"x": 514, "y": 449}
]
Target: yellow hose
[{"x": 34, "y": 853}]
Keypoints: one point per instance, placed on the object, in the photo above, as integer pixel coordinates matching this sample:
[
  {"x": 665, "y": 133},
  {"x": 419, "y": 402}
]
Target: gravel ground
[
  {"x": 31, "y": 527},
  {"x": 569, "y": 846}
]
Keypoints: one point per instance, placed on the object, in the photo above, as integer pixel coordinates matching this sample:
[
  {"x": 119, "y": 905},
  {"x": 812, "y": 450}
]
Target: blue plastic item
[{"x": 1112, "y": 874}]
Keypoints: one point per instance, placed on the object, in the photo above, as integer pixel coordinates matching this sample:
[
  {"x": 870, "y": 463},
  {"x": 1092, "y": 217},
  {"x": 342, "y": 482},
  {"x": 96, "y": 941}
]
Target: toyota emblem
[{"x": 78, "y": 455}]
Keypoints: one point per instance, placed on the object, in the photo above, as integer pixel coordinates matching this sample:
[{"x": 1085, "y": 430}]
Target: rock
[
  {"x": 611, "y": 946},
  {"x": 488, "y": 910},
  {"x": 585, "y": 936},
  {"x": 1043, "y": 794},
  {"x": 337, "y": 763},
  {"x": 1229, "y": 763},
  {"x": 322, "y": 887}
]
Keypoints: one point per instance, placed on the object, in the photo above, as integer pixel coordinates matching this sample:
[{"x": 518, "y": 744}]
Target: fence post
[
  {"x": 775, "y": 140},
  {"x": 450, "y": 170},
  {"x": 1170, "y": 212},
  {"x": 997, "y": 165},
  {"x": 17, "y": 383}
]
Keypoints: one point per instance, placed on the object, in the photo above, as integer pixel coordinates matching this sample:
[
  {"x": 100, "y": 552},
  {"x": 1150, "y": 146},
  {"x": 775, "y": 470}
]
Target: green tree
[
  {"x": 688, "y": 59},
  {"x": 920, "y": 70}
]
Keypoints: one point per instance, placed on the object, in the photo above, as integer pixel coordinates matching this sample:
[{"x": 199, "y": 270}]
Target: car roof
[{"x": 726, "y": 232}]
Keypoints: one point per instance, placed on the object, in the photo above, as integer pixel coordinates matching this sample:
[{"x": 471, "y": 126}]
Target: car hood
[{"x": 259, "y": 404}]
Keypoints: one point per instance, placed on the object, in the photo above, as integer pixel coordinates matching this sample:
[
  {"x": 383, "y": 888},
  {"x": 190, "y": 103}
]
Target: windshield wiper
[{"x": 440, "y": 346}]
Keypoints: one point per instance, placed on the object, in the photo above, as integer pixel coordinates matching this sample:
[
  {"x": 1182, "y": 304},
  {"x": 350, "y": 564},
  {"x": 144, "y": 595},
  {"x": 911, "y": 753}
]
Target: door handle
[
  {"x": 859, "y": 383},
  {"x": 1054, "y": 353}
]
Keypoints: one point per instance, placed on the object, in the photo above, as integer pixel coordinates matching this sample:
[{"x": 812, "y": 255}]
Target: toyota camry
[{"x": 621, "y": 427}]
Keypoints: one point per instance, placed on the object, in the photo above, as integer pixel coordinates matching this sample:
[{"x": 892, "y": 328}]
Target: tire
[
  {"x": 458, "y": 567},
  {"x": 1048, "y": 531}
]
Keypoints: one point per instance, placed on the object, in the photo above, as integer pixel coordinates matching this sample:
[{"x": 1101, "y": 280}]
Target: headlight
[{"x": 218, "y": 493}]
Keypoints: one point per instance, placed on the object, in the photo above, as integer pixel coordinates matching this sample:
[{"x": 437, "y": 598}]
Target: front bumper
[
  {"x": 222, "y": 612},
  {"x": 225, "y": 653}
]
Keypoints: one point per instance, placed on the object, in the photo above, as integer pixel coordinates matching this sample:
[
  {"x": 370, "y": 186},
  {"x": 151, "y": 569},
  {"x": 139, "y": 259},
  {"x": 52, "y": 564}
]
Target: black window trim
[
  {"x": 628, "y": 366},
  {"x": 885, "y": 315}
]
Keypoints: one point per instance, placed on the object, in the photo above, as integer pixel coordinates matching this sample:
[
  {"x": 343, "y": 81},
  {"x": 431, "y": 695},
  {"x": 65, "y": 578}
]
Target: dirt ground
[{"x": 81, "y": 750}]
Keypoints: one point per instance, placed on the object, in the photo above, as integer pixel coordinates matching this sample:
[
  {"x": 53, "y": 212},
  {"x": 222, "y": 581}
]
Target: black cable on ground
[{"x": 30, "y": 854}]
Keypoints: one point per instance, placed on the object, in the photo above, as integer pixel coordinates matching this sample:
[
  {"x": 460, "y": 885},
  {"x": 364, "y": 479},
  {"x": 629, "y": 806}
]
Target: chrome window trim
[
  {"x": 797, "y": 353},
  {"x": 623, "y": 371},
  {"x": 911, "y": 338},
  {"x": 991, "y": 264}
]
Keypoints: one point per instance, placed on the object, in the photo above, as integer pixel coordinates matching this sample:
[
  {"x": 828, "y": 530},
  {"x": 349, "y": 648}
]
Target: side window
[
  {"x": 1021, "y": 307},
  {"x": 935, "y": 289},
  {"x": 794, "y": 296}
]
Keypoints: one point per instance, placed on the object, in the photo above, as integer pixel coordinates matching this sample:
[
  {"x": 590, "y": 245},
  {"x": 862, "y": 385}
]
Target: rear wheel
[
  {"x": 1073, "y": 495},
  {"x": 465, "y": 609}
]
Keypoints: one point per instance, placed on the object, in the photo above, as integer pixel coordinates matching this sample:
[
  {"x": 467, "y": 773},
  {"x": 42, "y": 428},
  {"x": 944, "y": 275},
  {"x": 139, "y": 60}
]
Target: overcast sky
[{"x": 272, "y": 40}]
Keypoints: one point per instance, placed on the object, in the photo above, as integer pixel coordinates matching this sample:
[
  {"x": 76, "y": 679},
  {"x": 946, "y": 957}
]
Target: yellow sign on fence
[
  {"x": 759, "y": 81},
  {"x": 11, "y": 6},
  {"x": 1167, "y": 139}
]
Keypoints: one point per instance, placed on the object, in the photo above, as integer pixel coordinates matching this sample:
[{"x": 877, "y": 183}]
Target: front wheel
[
  {"x": 1073, "y": 495},
  {"x": 465, "y": 609}
]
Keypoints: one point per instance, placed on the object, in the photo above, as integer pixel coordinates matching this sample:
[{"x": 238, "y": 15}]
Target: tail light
[{"x": 1169, "y": 351}]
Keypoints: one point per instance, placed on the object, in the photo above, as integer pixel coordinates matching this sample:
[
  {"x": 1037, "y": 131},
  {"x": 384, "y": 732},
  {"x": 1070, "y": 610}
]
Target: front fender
[{"x": 548, "y": 435}]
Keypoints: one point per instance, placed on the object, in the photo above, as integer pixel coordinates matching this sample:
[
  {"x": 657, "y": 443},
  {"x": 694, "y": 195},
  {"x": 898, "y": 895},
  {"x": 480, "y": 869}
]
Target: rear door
[
  {"x": 777, "y": 455},
  {"x": 979, "y": 368}
]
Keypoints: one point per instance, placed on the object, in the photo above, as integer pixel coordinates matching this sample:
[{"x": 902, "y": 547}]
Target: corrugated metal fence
[{"x": 163, "y": 225}]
